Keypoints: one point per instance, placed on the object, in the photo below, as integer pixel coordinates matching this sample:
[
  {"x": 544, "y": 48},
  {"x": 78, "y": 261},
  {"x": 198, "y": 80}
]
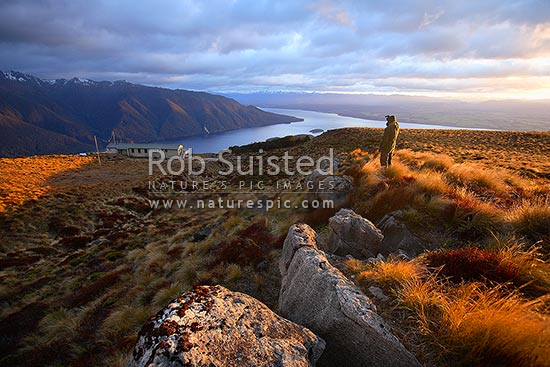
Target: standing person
[{"x": 389, "y": 140}]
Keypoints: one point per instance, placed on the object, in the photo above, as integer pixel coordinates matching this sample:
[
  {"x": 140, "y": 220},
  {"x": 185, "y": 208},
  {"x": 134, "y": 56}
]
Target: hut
[{"x": 141, "y": 150}]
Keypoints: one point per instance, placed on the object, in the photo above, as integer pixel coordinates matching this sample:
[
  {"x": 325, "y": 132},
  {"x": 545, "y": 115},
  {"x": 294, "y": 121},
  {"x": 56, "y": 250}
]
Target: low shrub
[
  {"x": 249, "y": 247},
  {"x": 508, "y": 266},
  {"x": 472, "y": 264}
]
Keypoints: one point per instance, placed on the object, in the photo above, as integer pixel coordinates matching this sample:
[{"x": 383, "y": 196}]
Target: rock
[
  {"x": 378, "y": 259},
  {"x": 398, "y": 240},
  {"x": 318, "y": 296},
  {"x": 351, "y": 234},
  {"x": 326, "y": 166},
  {"x": 302, "y": 235},
  {"x": 212, "y": 326},
  {"x": 337, "y": 188},
  {"x": 329, "y": 187},
  {"x": 263, "y": 265},
  {"x": 378, "y": 293},
  {"x": 202, "y": 233},
  {"x": 312, "y": 180},
  {"x": 99, "y": 241}
]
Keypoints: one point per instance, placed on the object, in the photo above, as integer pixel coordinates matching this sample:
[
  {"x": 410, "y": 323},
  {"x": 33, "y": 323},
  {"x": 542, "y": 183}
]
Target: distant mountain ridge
[
  {"x": 524, "y": 115},
  {"x": 40, "y": 116}
]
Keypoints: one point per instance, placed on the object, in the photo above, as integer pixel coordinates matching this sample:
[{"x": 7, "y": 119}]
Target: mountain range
[{"x": 62, "y": 116}]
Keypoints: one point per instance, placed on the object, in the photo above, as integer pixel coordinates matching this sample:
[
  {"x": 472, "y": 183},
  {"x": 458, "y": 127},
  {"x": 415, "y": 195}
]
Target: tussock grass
[
  {"x": 398, "y": 172},
  {"x": 61, "y": 324},
  {"x": 355, "y": 266},
  {"x": 431, "y": 182},
  {"x": 438, "y": 162},
  {"x": 233, "y": 273},
  {"x": 125, "y": 320},
  {"x": 119, "y": 359},
  {"x": 164, "y": 295},
  {"x": 369, "y": 176},
  {"x": 472, "y": 219},
  {"x": 232, "y": 223},
  {"x": 387, "y": 201},
  {"x": 471, "y": 324},
  {"x": 188, "y": 270},
  {"x": 387, "y": 273},
  {"x": 37, "y": 172},
  {"x": 468, "y": 173},
  {"x": 533, "y": 272},
  {"x": 426, "y": 161},
  {"x": 466, "y": 201},
  {"x": 532, "y": 219},
  {"x": 466, "y": 323},
  {"x": 95, "y": 309},
  {"x": 508, "y": 266}
]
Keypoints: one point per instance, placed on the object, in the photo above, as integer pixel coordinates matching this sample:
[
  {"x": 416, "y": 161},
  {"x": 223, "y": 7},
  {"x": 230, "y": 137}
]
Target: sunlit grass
[
  {"x": 468, "y": 173},
  {"x": 161, "y": 257},
  {"x": 474, "y": 306},
  {"x": 471, "y": 324},
  {"x": 431, "y": 182},
  {"x": 466, "y": 323},
  {"x": 532, "y": 219},
  {"x": 24, "y": 179},
  {"x": 387, "y": 273}
]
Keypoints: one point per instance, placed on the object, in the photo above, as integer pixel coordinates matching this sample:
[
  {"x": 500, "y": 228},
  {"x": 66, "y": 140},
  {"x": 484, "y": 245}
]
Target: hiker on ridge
[{"x": 389, "y": 140}]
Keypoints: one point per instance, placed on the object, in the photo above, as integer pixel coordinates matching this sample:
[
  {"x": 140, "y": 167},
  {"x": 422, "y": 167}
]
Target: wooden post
[{"x": 97, "y": 150}]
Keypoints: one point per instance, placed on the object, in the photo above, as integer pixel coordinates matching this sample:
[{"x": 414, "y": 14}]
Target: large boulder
[
  {"x": 397, "y": 237},
  {"x": 318, "y": 296},
  {"x": 212, "y": 326},
  {"x": 351, "y": 234}
]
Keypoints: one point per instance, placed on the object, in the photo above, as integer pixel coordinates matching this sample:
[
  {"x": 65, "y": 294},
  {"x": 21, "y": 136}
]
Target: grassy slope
[{"x": 85, "y": 261}]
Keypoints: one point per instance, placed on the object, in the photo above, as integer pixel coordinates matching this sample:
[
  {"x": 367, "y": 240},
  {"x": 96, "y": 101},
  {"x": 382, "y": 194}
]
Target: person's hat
[{"x": 387, "y": 116}]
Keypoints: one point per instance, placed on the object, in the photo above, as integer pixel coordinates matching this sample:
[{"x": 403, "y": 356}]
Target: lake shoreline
[
  {"x": 312, "y": 121},
  {"x": 400, "y": 120}
]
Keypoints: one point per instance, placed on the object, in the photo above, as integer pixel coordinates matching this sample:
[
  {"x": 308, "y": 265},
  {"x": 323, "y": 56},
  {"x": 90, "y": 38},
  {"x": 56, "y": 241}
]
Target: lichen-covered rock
[
  {"x": 212, "y": 326},
  {"x": 397, "y": 237},
  {"x": 351, "y": 234},
  {"x": 318, "y": 296}
]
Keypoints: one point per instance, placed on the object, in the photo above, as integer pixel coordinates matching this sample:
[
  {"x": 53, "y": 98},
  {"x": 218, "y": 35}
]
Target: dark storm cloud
[{"x": 387, "y": 45}]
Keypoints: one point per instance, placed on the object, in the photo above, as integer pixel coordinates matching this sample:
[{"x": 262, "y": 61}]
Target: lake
[{"x": 213, "y": 143}]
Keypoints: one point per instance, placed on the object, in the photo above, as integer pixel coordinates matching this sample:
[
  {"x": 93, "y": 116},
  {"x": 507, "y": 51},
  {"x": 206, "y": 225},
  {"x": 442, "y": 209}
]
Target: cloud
[
  {"x": 332, "y": 12},
  {"x": 429, "y": 18},
  {"x": 217, "y": 45}
]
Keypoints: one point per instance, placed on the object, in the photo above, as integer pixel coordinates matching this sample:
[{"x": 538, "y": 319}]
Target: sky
[{"x": 484, "y": 49}]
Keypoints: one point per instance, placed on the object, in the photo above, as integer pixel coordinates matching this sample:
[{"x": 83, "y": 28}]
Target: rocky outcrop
[
  {"x": 212, "y": 326},
  {"x": 330, "y": 167},
  {"x": 397, "y": 237},
  {"x": 351, "y": 234},
  {"x": 329, "y": 187},
  {"x": 318, "y": 296}
]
